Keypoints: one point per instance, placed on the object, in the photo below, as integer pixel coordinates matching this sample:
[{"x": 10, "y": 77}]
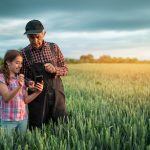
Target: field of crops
[{"x": 108, "y": 107}]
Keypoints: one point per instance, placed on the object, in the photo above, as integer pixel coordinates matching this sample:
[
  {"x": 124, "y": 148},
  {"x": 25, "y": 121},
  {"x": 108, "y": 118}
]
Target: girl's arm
[
  {"x": 30, "y": 98},
  {"x": 6, "y": 94}
]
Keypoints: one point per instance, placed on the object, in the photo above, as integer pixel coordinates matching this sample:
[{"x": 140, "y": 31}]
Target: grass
[{"x": 108, "y": 107}]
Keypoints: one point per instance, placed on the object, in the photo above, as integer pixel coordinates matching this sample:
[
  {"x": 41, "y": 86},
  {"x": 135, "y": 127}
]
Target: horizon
[{"x": 110, "y": 56}]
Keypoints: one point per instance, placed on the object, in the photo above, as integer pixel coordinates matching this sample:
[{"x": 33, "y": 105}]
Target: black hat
[{"x": 34, "y": 27}]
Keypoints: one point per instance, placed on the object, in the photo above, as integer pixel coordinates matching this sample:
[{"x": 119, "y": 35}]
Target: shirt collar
[{"x": 37, "y": 49}]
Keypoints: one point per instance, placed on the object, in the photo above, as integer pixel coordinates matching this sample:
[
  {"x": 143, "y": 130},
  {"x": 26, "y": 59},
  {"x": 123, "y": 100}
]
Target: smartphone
[{"x": 39, "y": 79}]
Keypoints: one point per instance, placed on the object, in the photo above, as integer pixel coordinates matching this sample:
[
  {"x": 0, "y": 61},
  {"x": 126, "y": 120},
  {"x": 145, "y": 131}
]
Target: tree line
[{"x": 89, "y": 58}]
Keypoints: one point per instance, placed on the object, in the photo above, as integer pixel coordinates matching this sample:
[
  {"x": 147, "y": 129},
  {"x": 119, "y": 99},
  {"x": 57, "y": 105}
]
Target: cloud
[
  {"x": 114, "y": 27},
  {"x": 97, "y": 43},
  {"x": 83, "y": 15}
]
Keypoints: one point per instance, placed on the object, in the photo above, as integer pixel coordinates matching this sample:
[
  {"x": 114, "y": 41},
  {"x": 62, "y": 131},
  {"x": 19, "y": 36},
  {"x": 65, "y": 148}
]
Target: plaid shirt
[
  {"x": 15, "y": 109},
  {"x": 44, "y": 55}
]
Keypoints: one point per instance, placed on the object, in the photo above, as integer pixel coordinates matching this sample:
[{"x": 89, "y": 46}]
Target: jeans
[{"x": 17, "y": 126}]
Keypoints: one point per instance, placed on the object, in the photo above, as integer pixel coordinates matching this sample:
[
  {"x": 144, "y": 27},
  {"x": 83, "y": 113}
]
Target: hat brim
[{"x": 33, "y": 32}]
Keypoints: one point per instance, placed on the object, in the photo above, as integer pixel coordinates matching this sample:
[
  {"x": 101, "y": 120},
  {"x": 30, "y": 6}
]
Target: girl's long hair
[{"x": 9, "y": 56}]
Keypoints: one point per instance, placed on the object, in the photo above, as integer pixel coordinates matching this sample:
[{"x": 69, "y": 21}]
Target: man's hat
[{"x": 34, "y": 27}]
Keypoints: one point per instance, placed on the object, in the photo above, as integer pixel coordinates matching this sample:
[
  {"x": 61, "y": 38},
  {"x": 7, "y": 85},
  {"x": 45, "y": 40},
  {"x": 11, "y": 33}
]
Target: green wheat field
[{"x": 108, "y": 107}]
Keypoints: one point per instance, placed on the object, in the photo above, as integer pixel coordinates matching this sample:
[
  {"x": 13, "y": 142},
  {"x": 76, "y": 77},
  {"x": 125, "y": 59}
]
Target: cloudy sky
[{"x": 119, "y": 28}]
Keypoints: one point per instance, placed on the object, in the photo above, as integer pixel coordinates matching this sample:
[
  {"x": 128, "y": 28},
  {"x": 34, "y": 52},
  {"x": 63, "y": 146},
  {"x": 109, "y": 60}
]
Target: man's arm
[{"x": 61, "y": 68}]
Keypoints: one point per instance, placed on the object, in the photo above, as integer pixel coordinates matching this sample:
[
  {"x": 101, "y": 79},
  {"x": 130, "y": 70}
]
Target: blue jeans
[{"x": 17, "y": 126}]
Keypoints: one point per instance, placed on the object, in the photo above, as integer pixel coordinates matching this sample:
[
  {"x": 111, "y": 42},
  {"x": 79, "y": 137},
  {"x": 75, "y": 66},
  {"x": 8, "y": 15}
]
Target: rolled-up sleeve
[{"x": 61, "y": 68}]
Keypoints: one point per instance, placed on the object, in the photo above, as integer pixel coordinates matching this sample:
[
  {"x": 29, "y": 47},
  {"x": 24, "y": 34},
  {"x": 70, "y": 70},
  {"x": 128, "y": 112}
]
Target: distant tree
[
  {"x": 87, "y": 58},
  {"x": 105, "y": 59},
  {"x": 71, "y": 61}
]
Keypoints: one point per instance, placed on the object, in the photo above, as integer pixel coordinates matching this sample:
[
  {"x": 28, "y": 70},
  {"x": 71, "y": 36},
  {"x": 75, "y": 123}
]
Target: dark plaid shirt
[{"x": 44, "y": 55}]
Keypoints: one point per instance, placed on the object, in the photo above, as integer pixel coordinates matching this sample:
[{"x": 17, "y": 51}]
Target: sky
[{"x": 119, "y": 28}]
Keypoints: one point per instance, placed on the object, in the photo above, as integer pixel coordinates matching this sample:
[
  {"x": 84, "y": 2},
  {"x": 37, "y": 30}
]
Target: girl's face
[{"x": 15, "y": 65}]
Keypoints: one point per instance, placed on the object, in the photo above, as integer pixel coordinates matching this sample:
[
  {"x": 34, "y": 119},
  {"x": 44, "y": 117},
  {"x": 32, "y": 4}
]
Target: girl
[{"x": 13, "y": 91}]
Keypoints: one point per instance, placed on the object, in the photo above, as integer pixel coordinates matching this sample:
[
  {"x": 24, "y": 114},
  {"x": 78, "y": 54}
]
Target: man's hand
[{"x": 50, "y": 68}]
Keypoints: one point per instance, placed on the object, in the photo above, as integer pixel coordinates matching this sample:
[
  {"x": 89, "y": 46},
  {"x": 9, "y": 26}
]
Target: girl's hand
[
  {"x": 31, "y": 84},
  {"x": 21, "y": 80},
  {"x": 39, "y": 87}
]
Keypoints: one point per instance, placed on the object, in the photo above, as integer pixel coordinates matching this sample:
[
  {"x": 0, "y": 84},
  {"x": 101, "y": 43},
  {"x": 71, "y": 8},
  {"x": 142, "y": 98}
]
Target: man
[{"x": 44, "y": 59}]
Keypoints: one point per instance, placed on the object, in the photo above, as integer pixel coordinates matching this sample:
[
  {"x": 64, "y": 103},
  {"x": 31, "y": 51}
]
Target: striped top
[{"x": 15, "y": 109}]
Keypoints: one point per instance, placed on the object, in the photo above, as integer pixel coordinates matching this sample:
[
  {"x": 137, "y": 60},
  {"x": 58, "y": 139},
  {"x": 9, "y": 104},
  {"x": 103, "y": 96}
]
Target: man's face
[{"x": 36, "y": 40}]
